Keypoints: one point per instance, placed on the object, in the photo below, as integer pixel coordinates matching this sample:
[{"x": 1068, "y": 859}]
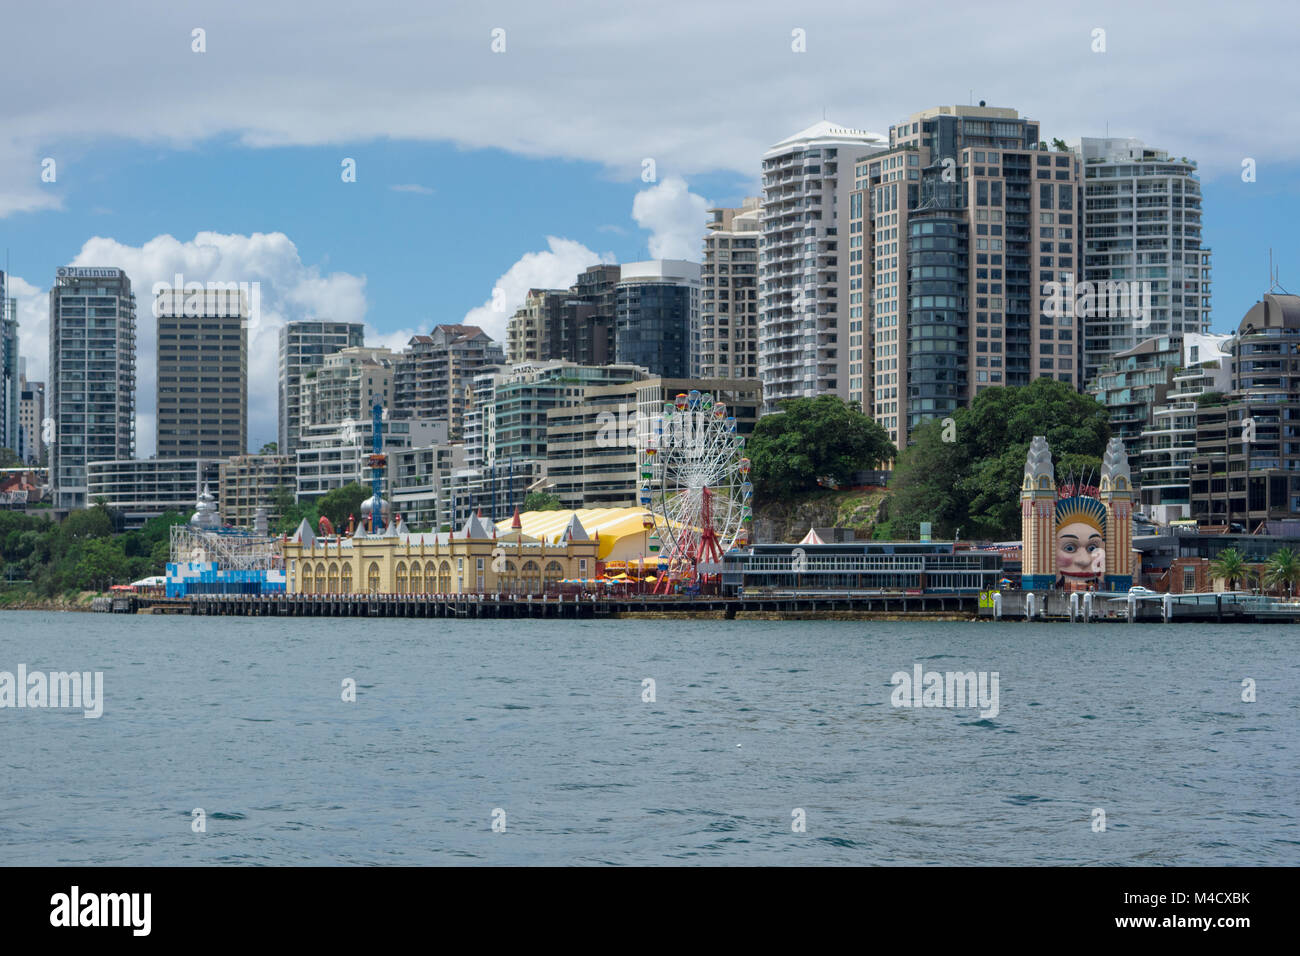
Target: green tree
[
  {"x": 100, "y": 561},
  {"x": 270, "y": 448},
  {"x": 965, "y": 472},
  {"x": 541, "y": 501},
  {"x": 812, "y": 439},
  {"x": 1283, "y": 570},
  {"x": 94, "y": 522},
  {"x": 9, "y": 459},
  {"x": 341, "y": 502},
  {"x": 1231, "y": 567}
]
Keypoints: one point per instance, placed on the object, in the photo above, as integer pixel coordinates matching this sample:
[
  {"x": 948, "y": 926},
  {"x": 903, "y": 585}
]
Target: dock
[{"x": 1009, "y": 606}]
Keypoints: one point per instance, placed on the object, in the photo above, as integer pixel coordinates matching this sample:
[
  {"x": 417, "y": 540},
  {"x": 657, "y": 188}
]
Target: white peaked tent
[{"x": 811, "y": 537}]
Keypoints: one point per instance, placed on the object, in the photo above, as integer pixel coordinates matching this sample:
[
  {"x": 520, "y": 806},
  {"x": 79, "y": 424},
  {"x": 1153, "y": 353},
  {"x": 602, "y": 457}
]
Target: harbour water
[{"x": 544, "y": 726}]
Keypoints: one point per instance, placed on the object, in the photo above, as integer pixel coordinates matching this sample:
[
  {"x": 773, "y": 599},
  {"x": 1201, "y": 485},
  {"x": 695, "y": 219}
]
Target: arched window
[
  {"x": 401, "y": 577},
  {"x": 508, "y": 579},
  {"x": 334, "y": 578},
  {"x": 417, "y": 581},
  {"x": 347, "y": 577},
  {"x": 554, "y": 572},
  {"x": 531, "y": 578},
  {"x": 307, "y": 581},
  {"x": 430, "y": 579},
  {"x": 444, "y": 578},
  {"x": 372, "y": 577},
  {"x": 320, "y": 579}
]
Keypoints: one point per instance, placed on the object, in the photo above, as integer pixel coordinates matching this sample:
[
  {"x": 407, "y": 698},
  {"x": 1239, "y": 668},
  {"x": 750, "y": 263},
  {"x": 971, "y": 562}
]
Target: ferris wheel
[{"x": 695, "y": 481}]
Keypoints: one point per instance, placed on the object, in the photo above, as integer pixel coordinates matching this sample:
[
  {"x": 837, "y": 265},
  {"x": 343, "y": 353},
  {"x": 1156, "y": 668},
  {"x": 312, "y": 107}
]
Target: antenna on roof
[{"x": 1273, "y": 284}]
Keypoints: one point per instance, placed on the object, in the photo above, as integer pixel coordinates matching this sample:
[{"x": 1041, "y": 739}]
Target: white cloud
[
  {"x": 290, "y": 289},
  {"x": 697, "y": 87},
  {"x": 674, "y": 216},
  {"x": 555, "y": 268}
]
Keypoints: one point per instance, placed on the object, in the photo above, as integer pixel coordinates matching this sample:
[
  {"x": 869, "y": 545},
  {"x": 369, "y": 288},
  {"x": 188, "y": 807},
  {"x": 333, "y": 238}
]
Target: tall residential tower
[
  {"x": 303, "y": 346},
  {"x": 803, "y": 318},
  {"x": 91, "y": 387}
]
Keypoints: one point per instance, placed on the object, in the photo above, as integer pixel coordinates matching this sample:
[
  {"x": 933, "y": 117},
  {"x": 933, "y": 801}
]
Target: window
[{"x": 372, "y": 578}]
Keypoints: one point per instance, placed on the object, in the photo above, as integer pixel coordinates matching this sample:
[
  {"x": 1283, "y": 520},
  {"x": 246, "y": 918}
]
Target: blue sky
[{"x": 480, "y": 169}]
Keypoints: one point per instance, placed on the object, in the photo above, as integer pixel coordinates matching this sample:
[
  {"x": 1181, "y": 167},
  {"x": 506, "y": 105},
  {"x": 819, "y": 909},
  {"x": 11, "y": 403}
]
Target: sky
[{"x": 505, "y": 146}]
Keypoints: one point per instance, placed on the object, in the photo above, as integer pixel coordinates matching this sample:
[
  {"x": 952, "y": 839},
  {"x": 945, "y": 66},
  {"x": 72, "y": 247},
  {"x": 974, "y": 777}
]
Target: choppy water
[{"x": 545, "y": 720}]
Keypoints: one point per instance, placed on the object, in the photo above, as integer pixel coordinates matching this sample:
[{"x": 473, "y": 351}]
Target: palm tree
[
  {"x": 1283, "y": 568},
  {"x": 1230, "y": 566}
]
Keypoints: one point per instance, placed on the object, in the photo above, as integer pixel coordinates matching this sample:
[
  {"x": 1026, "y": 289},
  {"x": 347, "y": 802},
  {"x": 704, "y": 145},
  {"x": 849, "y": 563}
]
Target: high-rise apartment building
[
  {"x": 303, "y": 346},
  {"x": 91, "y": 387},
  {"x": 1246, "y": 468},
  {"x": 574, "y": 324},
  {"x": 803, "y": 323},
  {"x": 1168, "y": 444},
  {"x": 31, "y": 415},
  {"x": 511, "y": 405},
  {"x": 592, "y": 457},
  {"x": 347, "y": 385},
  {"x": 724, "y": 343},
  {"x": 955, "y": 232},
  {"x": 1141, "y": 224},
  {"x": 434, "y": 374},
  {"x": 9, "y": 372},
  {"x": 657, "y": 305},
  {"x": 202, "y": 373}
]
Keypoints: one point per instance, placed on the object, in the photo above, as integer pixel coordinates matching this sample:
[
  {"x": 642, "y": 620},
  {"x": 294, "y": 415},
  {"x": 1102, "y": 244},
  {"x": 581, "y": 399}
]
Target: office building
[
  {"x": 724, "y": 343},
  {"x": 657, "y": 305},
  {"x": 202, "y": 373},
  {"x": 1141, "y": 224},
  {"x": 91, "y": 386},
  {"x": 303, "y": 347}
]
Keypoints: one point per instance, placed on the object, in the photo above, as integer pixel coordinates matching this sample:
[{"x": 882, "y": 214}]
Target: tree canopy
[
  {"x": 541, "y": 501},
  {"x": 811, "y": 439},
  {"x": 82, "y": 553},
  {"x": 972, "y": 480}
]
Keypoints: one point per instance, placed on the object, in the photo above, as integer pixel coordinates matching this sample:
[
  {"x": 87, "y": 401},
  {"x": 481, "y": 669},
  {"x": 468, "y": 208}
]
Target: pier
[{"x": 1046, "y": 606}]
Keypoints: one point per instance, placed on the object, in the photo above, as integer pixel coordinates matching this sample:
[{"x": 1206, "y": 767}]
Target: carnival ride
[{"x": 695, "y": 482}]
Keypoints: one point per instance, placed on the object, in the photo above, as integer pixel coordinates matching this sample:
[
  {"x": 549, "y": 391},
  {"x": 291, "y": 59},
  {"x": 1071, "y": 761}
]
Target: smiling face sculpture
[{"x": 1080, "y": 542}]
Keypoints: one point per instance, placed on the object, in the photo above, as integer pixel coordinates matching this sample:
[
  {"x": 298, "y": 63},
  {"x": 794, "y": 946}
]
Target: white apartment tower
[
  {"x": 91, "y": 387},
  {"x": 724, "y": 342},
  {"x": 803, "y": 321},
  {"x": 1141, "y": 223}
]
